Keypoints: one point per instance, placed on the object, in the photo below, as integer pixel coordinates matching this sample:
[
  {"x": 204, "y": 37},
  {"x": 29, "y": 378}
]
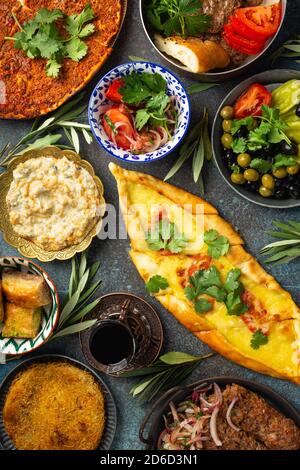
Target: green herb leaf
[
  {"x": 287, "y": 249},
  {"x": 259, "y": 339},
  {"x": 199, "y": 87},
  {"x": 238, "y": 123},
  {"x": 283, "y": 160},
  {"x": 203, "y": 305},
  {"x": 234, "y": 304},
  {"x": 174, "y": 357},
  {"x": 157, "y": 283},
  {"x": 40, "y": 37},
  {"x": 239, "y": 145},
  {"x": 232, "y": 281},
  {"x": 165, "y": 236},
  {"x": 261, "y": 165},
  {"x": 218, "y": 245}
]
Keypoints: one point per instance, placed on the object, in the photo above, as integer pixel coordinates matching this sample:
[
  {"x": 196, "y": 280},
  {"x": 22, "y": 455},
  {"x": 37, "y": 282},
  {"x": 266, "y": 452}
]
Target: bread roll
[{"x": 197, "y": 55}]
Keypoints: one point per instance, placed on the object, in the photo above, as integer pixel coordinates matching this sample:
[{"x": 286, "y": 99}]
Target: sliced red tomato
[
  {"x": 118, "y": 128},
  {"x": 259, "y": 22},
  {"x": 250, "y": 103},
  {"x": 241, "y": 44},
  {"x": 113, "y": 93}
]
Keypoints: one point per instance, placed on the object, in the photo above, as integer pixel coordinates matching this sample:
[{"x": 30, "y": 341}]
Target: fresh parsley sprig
[
  {"x": 218, "y": 245},
  {"x": 40, "y": 37},
  {"x": 208, "y": 282},
  {"x": 165, "y": 236},
  {"x": 156, "y": 284},
  {"x": 271, "y": 130},
  {"x": 259, "y": 339},
  {"x": 181, "y": 17},
  {"x": 169, "y": 370},
  {"x": 151, "y": 90}
]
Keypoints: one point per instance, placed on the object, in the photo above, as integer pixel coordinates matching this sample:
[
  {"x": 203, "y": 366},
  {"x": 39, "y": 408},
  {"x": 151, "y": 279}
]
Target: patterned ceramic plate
[
  {"x": 26, "y": 247},
  {"x": 110, "y": 407},
  {"x": 98, "y": 104},
  {"x": 14, "y": 346}
]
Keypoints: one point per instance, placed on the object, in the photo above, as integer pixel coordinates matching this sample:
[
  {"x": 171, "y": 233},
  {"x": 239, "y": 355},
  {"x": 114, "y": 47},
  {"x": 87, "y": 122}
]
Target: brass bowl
[{"x": 26, "y": 247}]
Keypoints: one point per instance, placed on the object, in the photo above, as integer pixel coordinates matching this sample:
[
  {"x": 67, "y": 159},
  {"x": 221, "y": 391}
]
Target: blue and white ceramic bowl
[
  {"x": 98, "y": 104},
  {"x": 18, "y": 346}
]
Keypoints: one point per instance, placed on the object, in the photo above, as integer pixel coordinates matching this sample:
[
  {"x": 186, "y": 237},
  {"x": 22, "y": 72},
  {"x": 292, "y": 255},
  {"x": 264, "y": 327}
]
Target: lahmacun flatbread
[{"x": 26, "y": 90}]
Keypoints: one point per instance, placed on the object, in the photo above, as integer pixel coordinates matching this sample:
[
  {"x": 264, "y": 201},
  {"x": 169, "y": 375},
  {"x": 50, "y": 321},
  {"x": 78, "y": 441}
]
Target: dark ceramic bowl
[
  {"x": 179, "y": 394},
  {"x": 271, "y": 79},
  {"x": 218, "y": 75},
  {"x": 110, "y": 407}
]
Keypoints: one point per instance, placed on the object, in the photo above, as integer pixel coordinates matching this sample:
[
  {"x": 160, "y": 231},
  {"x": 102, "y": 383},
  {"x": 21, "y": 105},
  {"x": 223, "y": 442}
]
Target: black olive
[
  {"x": 288, "y": 149},
  {"x": 292, "y": 179},
  {"x": 298, "y": 111},
  {"x": 281, "y": 193},
  {"x": 294, "y": 191},
  {"x": 242, "y": 132},
  {"x": 252, "y": 186},
  {"x": 230, "y": 157}
]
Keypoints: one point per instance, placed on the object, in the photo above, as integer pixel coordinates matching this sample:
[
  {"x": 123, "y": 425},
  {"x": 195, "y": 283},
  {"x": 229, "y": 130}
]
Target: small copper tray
[{"x": 143, "y": 321}]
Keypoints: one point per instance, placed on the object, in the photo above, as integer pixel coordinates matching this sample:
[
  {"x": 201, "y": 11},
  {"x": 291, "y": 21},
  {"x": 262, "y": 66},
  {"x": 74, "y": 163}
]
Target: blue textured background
[{"x": 117, "y": 272}]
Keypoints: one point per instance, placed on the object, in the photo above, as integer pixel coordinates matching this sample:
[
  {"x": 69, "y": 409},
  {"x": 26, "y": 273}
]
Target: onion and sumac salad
[
  {"x": 233, "y": 418},
  {"x": 142, "y": 117},
  {"x": 261, "y": 137}
]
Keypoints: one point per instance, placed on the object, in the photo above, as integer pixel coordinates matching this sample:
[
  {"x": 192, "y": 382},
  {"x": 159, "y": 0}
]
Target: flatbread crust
[
  {"x": 26, "y": 91},
  {"x": 228, "y": 335}
]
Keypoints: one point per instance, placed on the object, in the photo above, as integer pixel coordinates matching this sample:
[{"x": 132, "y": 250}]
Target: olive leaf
[
  {"x": 174, "y": 357},
  {"x": 75, "y": 305}
]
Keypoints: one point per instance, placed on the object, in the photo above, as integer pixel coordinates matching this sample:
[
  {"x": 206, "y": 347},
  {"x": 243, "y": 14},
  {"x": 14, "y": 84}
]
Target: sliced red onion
[
  {"x": 213, "y": 427},
  {"x": 228, "y": 414},
  {"x": 174, "y": 412},
  {"x": 164, "y": 135},
  {"x": 218, "y": 393}
]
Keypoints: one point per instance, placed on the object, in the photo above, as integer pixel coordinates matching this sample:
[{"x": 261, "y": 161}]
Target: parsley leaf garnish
[
  {"x": 261, "y": 165},
  {"x": 208, "y": 282},
  {"x": 259, "y": 339},
  {"x": 151, "y": 90},
  {"x": 218, "y": 245},
  {"x": 283, "y": 160},
  {"x": 182, "y": 17},
  {"x": 271, "y": 130},
  {"x": 40, "y": 37},
  {"x": 157, "y": 283},
  {"x": 165, "y": 236}
]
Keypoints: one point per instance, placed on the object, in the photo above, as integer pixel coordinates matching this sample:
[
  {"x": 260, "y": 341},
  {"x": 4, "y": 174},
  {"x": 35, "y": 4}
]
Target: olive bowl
[
  {"x": 217, "y": 75},
  {"x": 270, "y": 79}
]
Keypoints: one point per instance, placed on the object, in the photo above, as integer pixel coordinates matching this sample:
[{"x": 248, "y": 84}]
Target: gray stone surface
[{"x": 117, "y": 272}]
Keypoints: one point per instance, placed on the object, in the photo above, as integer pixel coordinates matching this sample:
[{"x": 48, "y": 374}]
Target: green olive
[
  {"x": 280, "y": 172},
  {"x": 251, "y": 175},
  {"x": 227, "y": 140},
  {"x": 244, "y": 159},
  {"x": 237, "y": 178},
  {"x": 227, "y": 112},
  {"x": 293, "y": 170},
  {"x": 265, "y": 192},
  {"x": 227, "y": 124},
  {"x": 268, "y": 181}
]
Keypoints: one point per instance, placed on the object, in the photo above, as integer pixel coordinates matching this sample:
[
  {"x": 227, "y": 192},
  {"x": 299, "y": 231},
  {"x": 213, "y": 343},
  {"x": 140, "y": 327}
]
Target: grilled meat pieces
[
  {"x": 258, "y": 420},
  {"x": 219, "y": 10}
]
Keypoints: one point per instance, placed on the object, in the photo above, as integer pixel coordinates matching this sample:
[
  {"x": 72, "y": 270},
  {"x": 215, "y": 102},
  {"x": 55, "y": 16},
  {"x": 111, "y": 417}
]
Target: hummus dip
[{"x": 53, "y": 202}]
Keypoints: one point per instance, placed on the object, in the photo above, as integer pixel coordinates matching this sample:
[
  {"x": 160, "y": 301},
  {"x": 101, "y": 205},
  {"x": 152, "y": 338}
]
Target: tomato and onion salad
[
  {"x": 271, "y": 169},
  {"x": 194, "y": 421},
  {"x": 120, "y": 124},
  {"x": 248, "y": 29}
]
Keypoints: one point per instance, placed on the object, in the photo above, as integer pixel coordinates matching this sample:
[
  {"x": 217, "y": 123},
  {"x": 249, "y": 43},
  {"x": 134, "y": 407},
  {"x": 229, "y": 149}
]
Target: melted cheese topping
[
  {"x": 53, "y": 202},
  {"x": 145, "y": 203},
  {"x": 282, "y": 350}
]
